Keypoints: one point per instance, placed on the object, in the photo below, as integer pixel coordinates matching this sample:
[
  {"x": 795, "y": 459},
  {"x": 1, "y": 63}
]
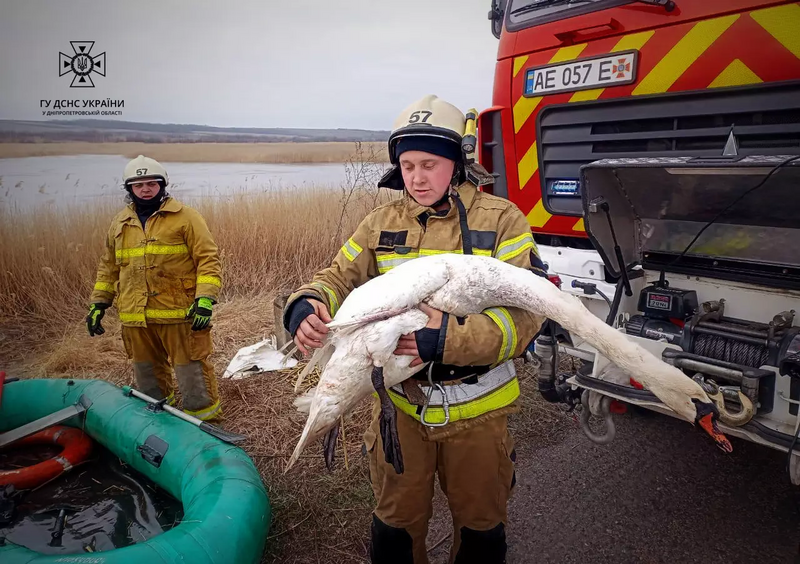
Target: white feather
[{"x": 303, "y": 402}]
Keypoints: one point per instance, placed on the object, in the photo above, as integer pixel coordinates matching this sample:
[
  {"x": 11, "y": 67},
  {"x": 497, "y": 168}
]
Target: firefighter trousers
[
  {"x": 158, "y": 349},
  {"x": 476, "y": 472}
]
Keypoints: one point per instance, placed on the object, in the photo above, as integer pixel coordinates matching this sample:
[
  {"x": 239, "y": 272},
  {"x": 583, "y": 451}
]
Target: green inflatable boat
[{"x": 226, "y": 509}]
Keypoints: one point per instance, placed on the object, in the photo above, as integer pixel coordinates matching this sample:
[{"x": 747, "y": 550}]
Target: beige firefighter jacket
[
  {"x": 392, "y": 234},
  {"x": 156, "y": 274}
]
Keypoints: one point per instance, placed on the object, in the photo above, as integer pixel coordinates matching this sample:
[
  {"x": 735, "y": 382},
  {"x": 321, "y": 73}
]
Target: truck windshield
[{"x": 525, "y": 13}]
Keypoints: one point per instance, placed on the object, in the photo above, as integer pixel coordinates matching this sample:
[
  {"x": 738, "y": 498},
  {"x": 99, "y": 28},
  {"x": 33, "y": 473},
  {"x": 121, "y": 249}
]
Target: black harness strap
[{"x": 466, "y": 236}]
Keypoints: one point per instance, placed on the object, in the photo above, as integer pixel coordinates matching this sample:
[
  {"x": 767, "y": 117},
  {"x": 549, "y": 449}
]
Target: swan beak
[
  {"x": 707, "y": 419},
  {"x": 709, "y": 425}
]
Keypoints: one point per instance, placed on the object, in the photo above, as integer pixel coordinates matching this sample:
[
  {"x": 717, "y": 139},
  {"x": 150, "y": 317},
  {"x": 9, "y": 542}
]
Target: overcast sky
[{"x": 289, "y": 63}]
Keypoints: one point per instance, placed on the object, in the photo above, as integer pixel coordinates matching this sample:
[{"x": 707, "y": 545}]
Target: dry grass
[
  {"x": 270, "y": 242},
  {"x": 327, "y": 152}
]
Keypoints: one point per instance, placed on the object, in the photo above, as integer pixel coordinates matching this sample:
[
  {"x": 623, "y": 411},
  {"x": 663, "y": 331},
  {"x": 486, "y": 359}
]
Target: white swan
[{"x": 365, "y": 331}]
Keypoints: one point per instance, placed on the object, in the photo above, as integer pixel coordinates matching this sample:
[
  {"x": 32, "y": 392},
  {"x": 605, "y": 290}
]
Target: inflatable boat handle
[{"x": 212, "y": 430}]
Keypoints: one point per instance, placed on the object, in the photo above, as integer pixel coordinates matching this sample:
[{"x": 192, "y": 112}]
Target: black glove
[
  {"x": 96, "y": 313},
  {"x": 200, "y": 313},
  {"x": 427, "y": 343},
  {"x": 300, "y": 310}
]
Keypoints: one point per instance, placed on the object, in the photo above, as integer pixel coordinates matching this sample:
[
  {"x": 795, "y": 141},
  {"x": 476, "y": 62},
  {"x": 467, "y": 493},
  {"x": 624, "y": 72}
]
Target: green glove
[
  {"x": 96, "y": 313},
  {"x": 201, "y": 311}
]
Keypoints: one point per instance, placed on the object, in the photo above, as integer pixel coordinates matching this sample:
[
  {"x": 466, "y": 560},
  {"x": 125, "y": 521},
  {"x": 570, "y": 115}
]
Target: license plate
[{"x": 597, "y": 72}]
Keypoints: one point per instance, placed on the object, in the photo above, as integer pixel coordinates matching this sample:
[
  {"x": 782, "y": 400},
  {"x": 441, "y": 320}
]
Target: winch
[
  {"x": 708, "y": 332},
  {"x": 718, "y": 346},
  {"x": 664, "y": 312}
]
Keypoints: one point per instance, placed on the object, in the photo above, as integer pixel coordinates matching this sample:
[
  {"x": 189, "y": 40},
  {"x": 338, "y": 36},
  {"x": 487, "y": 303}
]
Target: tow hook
[
  {"x": 717, "y": 394},
  {"x": 604, "y": 408}
]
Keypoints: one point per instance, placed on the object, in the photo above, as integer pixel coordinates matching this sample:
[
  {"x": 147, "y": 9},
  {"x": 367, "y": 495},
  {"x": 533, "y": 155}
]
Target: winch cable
[
  {"x": 730, "y": 350},
  {"x": 732, "y": 204}
]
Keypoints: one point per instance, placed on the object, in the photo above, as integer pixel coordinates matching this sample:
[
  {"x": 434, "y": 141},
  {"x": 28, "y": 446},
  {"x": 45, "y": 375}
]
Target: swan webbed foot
[
  {"x": 329, "y": 446},
  {"x": 387, "y": 421}
]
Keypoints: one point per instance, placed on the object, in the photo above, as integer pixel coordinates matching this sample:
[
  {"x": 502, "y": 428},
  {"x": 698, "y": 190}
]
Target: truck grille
[{"x": 765, "y": 120}]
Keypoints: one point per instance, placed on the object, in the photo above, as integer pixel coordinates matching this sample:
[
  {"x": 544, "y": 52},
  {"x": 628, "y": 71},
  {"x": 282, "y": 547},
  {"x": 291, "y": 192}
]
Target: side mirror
[{"x": 496, "y": 17}]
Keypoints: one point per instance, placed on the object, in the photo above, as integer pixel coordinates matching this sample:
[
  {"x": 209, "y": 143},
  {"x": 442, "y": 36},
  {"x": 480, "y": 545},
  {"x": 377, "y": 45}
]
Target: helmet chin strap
[
  {"x": 450, "y": 188},
  {"x": 443, "y": 199}
]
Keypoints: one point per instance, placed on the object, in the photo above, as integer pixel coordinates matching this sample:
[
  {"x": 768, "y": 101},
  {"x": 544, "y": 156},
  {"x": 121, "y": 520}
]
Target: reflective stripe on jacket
[{"x": 496, "y": 389}]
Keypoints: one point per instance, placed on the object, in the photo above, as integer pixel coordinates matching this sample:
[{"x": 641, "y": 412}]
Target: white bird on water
[{"x": 357, "y": 356}]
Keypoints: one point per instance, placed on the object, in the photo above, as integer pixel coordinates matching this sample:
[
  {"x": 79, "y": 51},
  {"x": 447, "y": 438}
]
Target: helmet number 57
[{"x": 418, "y": 117}]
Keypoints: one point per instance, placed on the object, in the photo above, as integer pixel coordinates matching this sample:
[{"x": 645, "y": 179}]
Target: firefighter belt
[{"x": 495, "y": 389}]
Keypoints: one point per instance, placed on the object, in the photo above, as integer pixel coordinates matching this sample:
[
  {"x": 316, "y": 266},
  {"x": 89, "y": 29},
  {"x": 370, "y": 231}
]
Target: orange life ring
[{"x": 76, "y": 445}]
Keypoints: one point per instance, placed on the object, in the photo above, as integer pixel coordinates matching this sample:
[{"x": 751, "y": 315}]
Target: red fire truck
[
  {"x": 582, "y": 80},
  {"x": 662, "y": 85}
]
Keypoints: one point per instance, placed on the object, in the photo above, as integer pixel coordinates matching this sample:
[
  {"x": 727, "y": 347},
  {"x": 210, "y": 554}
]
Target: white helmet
[
  {"x": 429, "y": 117},
  {"x": 434, "y": 126},
  {"x": 144, "y": 168}
]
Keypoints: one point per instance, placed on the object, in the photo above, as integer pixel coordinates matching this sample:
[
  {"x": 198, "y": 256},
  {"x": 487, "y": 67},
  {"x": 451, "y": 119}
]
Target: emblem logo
[
  {"x": 82, "y": 64},
  {"x": 622, "y": 68}
]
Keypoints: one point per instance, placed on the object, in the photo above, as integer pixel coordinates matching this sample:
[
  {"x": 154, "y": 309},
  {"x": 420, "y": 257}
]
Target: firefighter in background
[
  {"x": 162, "y": 264},
  {"x": 442, "y": 210}
]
